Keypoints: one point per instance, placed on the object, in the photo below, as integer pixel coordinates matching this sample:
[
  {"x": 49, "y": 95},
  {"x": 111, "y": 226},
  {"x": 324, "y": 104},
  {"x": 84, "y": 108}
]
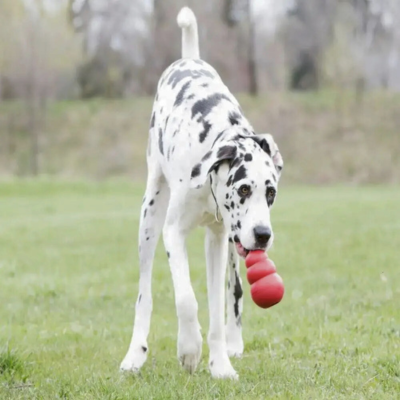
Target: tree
[{"x": 40, "y": 52}]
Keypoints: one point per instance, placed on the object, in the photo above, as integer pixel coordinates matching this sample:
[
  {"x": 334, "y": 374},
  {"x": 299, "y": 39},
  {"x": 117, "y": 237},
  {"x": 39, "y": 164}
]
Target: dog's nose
[{"x": 262, "y": 235}]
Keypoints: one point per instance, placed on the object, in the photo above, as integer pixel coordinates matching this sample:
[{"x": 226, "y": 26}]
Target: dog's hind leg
[
  {"x": 151, "y": 221},
  {"x": 234, "y": 339}
]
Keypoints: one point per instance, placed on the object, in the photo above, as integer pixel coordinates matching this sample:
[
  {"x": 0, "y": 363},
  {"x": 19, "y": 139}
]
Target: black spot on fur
[
  {"x": 237, "y": 294},
  {"x": 158, "y": 192},
  {"x": 241, "y": 146},
  {"x": 230, "y": 240},
  {"x": 203, "y": 135},
  {"x": 236, "y": 239},
  {"x": 239, "y": 225},
  {"x": 160, "y": 141},
  {"x": 206, "y": 156},
  {"x": 204, "y": 72},
  {"x": 263, "y": 144},
  {"x": 152, "y": 121},
  {"x": 274, "y": 178},
  {"x": 267, "y": 182},
  {"x": 145, "y": 213},
  {"x": 240, "y": 173},
  {"x": 168, "y": 254},
  {"x": 190, "y": 97},
  {"x": 226, "y": 152},
  {"x": 151, "y": 202},
  {"x": 232, "y": 205},
  {"x": 140, "y": 298},
  {"x": 242, "y": 200},
  {"x": 247, "y": 132},
  {"x": 248, "y": 157},
  {"x": 235, "y": 162},
  {"x": 205, "y": 106},
  {"x": 178, "y": 75},
  {"x": 166, "y": 123},
  {"x": 211, "y": 363},
  {"x": 229, "y": 183},
  {"x": 144, "y": 349},
  {"x": 204, "y": 85},
  {"x": 226, "y": 196},
  {"x": 227, "y": 207},
  {"x": 144, "y": 199},
  {"x": 181, "y": 94},
  {"x": 234, "y": 118},
  {"x": 147, "y": 238},
  {"x": 196, "y": 171}
]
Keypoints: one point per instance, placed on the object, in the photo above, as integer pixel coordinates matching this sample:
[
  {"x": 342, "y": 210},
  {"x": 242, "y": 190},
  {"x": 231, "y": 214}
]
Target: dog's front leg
[
  {"x": 216, "y": 255},
  {"x": 234, "y": 305},
  {"x": 189, "y": 336}
]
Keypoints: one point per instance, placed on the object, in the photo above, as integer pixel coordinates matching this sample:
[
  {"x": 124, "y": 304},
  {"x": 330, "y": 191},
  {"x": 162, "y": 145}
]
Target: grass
[{"x": 68, "y": 267}]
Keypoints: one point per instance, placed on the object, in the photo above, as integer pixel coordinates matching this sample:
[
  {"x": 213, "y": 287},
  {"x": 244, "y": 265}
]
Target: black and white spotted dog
[{"x": 206, "y": 166}]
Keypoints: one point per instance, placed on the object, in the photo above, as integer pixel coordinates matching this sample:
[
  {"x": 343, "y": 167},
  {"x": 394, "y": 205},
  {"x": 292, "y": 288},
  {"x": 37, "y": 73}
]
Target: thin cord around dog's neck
[{"x": 216, "y": 204}]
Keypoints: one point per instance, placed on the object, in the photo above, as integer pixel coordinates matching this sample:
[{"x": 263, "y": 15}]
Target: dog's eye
[
  {"x": 271, "y": 192},
  {"x": 244, "y": 190}
]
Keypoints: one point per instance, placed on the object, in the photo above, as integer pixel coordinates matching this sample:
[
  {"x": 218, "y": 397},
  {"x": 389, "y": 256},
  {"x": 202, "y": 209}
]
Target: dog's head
[{"x": 245, "y": 171}]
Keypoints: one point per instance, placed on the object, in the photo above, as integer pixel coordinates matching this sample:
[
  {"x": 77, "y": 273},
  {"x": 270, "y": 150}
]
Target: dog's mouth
[{"x": 241, "y": 250}]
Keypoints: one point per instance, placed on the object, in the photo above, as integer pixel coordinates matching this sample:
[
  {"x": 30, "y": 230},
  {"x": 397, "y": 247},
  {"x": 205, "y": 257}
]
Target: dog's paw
[
  {"x": 221, "y": 368},
  {"x": 134, "y": 359},
  {"x": 190, "y": 344},
  {"x": 234, "y": 345}
]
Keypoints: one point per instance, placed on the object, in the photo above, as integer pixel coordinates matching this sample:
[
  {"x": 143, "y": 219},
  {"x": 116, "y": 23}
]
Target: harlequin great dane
[{"x": 206, "y": 166}]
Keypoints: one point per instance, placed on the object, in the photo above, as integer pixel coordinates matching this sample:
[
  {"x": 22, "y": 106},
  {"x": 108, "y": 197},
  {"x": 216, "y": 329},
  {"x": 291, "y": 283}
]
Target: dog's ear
[
  {"x": 211, "y": 160},
  {"x": 267, "y": 143}
]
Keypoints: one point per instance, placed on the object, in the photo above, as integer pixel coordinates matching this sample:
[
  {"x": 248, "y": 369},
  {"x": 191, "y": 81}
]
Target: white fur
[
  {"x": 201, "y": 146},
  {"x": 190, "y": 42}
]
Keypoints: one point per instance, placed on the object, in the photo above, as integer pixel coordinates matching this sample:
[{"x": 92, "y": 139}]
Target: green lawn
[{"x": 68, "y": 282}]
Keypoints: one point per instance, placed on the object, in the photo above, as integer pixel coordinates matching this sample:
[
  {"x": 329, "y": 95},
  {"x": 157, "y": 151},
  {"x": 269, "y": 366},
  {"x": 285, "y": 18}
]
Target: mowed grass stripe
[{"x": 68, "y": 268}]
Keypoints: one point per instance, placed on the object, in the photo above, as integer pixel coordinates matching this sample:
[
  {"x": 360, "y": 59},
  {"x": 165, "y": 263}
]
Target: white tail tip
[
  {"x": 190, "y": 39},
  {"x": 186, "y": 18}
]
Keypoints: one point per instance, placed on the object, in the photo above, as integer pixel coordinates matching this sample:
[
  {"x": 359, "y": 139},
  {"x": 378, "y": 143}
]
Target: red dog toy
[{"x": 266, "y": 285}]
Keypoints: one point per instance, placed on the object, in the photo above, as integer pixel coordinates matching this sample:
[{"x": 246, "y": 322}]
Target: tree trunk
[{"x": 252, "y": 59}]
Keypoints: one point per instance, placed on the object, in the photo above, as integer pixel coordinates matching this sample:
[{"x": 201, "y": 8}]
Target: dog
[{"x": 206, "y": 166}]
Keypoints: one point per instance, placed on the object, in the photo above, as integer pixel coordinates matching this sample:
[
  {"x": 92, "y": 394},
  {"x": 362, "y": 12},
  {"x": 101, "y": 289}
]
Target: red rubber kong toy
[{"x": 266, "y": 285}]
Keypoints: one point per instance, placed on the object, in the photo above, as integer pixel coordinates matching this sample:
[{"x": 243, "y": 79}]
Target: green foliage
[
  {"x": 69, "y": 275},
  {"x": 325, "y": 137},
  {"x": 10, "y": 363}
]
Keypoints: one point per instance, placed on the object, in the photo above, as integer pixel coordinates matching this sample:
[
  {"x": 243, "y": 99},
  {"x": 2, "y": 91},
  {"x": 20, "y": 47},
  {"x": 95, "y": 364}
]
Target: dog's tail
[{"x": 190, "y": 39}]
